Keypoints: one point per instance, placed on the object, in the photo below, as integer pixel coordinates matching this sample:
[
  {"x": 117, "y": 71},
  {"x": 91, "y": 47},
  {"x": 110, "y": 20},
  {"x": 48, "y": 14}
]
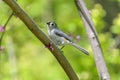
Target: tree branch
[
  {"x": 1, "y": 37},
  {"x": 92, "y": 34},
  {"x": 42, "y": 37}
]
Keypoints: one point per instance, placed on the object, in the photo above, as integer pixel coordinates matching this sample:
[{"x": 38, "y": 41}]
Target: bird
[{"x": 60, "y": 38}]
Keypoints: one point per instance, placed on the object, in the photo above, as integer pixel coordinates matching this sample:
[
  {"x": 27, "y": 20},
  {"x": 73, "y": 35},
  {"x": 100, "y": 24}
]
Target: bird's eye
[{"x": 52, "y": 24}]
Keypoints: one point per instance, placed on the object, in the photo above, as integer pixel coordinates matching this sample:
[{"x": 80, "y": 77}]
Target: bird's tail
[{"x": 80, "y": 48}]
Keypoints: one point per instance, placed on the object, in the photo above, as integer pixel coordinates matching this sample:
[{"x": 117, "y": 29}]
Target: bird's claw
[{"x": 50, "y": 46}]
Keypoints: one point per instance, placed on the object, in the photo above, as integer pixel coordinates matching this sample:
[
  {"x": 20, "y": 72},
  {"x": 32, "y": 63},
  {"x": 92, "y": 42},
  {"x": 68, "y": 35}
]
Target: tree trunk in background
[{"x": 112, "y": 10}]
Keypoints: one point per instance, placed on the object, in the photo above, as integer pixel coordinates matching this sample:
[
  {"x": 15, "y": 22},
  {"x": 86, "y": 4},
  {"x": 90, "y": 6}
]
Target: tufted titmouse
[{"x": 60, "y": 38}]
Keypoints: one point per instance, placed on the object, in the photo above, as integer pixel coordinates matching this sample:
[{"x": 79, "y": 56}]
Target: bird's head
[{"x": 52, "y": 25}]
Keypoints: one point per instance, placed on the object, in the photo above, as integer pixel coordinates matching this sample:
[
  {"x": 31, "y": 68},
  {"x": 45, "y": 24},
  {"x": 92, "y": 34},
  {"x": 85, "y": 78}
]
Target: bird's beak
[{"x": 48, "y": 23}]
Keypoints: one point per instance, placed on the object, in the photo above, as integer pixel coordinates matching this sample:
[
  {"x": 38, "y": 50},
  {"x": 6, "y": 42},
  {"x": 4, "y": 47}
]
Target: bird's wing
[{"x": 62, "y": 34}]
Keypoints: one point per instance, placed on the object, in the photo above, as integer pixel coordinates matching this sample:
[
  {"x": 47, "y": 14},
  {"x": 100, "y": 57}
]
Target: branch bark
[
  {"x": 19, "y": 12},
  {"x": 92, "y": 34}
]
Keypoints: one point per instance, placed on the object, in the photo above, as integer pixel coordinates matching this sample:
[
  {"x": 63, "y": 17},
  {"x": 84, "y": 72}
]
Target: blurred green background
[{"x": 25, "y": 58}]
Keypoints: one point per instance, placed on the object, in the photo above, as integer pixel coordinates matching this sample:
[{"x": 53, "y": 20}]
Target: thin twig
[{"x": 4, "y": 27}]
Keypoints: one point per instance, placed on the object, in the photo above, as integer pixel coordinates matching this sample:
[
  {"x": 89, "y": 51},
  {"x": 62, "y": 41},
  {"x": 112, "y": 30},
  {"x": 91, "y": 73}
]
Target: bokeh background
[{"x": 25, "y": 58}]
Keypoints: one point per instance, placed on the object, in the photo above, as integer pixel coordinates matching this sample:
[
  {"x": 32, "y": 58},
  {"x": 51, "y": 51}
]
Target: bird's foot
[{"x": 49, "y": 46}]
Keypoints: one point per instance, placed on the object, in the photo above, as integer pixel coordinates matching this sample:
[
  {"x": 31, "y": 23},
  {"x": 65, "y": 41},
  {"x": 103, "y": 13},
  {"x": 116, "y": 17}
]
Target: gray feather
[
  {"x": 80, "y": 48},
  {"x": 61, "y": 34}
]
